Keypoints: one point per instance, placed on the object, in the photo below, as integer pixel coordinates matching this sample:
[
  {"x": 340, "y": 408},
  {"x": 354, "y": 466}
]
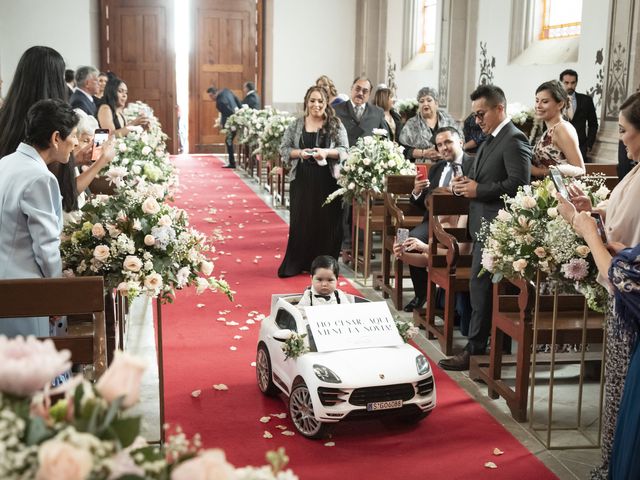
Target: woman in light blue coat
[{"x": 30, "y": 204}]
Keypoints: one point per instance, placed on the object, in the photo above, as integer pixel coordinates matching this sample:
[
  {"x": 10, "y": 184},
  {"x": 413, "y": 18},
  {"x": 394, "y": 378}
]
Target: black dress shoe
[
  {"x": 458, "y": 363},
  {"x": 417, "y": 302},
  {"x": 229, "y": 166}
]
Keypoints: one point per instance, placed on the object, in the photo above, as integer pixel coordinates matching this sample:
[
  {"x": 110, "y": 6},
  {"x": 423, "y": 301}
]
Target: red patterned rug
[{"x": 211, "y": 341}]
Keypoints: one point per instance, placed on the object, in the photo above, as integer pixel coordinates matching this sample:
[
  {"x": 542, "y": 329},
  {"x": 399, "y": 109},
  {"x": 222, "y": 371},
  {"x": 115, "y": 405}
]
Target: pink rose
[
  {"x": 122, "y": 378},
  {"x": 123, "y": 288},
  {"x": 101, "y": 253},
  {"x": 520, "y": 265},
  {"x": 164, "y": 221},
  {"x": 132, "y": 263},
  {"x": 60, "y": 461},
  {"x": 153, "y": 281},
  {"x": 149, "y": 240},
  {"x": 540, "y": 252},
  {"x": 209, "y": 465},
  {"x": 98, "y": 230},
  {"x": 27, "y": 365}
]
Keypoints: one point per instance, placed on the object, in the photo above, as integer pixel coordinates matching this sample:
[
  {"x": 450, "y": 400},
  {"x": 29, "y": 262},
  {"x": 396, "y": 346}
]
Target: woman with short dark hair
[{"x": 31, "y": 209}]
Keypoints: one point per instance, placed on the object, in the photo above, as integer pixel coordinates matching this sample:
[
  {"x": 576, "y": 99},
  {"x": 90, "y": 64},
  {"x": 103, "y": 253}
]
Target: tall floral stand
[
  {"x": 590, "y": 327},
  {"x": 160, "y": 366},
  {"x": 367, "y": 216}
]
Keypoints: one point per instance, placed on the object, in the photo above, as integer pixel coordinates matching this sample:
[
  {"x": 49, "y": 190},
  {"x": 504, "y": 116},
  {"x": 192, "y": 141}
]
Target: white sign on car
[{"x": 354, "y": 325}]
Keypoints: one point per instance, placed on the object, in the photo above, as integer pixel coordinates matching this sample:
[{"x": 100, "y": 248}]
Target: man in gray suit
[
  {"x": 502, "y": 165},
  {"x": 86, "y": 88},
  {"x": 359, "y": 117}
]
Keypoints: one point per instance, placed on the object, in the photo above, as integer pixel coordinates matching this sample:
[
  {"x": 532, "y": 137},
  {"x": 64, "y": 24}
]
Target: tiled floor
[{"x": 567, "y": 463}]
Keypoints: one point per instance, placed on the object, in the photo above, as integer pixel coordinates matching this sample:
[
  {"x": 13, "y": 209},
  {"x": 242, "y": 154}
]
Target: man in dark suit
[
  {"x": 580, "y": 112},
  {"x": 502, "y": 165},
  {"x": 251, "y": 98},
  {"x": 359, "y": 117},
  {"x": 70, "y": 80},
  {"x": 226, "y": 103},
  {"x": 455, "y": 162},
  {"x": 86, "y": 88}
]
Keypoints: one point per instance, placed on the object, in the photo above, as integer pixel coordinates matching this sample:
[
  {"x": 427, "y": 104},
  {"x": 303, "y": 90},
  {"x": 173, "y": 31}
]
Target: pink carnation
[{"x": 577, "y": 269}]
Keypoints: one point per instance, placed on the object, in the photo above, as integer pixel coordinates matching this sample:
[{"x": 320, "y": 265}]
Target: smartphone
[
  {"x": 600, "y": 226},
  {"x": 556, "y": 177},
  {"x": 402, "y": 234},
  {"x": 99, "y": 137},
  {"x": 421, "y": 169}
]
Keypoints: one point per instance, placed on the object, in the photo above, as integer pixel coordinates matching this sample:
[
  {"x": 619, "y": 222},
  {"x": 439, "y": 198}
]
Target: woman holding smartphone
[
  {"x": 313, "y": 147},
  {"x": 620, "y": 218},
  {"x": 111, "y": 112}
]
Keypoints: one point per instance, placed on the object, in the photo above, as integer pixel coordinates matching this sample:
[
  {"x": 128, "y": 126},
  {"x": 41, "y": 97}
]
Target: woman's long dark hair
[
  {"x": 111, "y": 98},
  {"x": 39, "y": 75},
  {"x": 331, "y": 122}
]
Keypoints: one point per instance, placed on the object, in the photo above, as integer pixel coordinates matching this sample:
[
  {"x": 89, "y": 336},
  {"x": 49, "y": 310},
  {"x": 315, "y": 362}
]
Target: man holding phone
[
  {"x": 502, "y": 165},
  {"x": 454, "y": 162}
]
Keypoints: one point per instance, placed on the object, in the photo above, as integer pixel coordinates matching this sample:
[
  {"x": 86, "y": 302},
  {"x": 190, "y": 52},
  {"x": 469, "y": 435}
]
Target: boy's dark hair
[{"x": 325, "y": 261}]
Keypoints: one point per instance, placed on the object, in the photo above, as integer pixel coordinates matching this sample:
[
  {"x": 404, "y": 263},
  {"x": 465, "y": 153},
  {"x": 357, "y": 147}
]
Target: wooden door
[
  {"x": 226, "y": 52},
  {"x": 137, "y": 44}
]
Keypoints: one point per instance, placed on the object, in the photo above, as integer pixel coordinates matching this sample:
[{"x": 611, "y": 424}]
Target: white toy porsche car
[{"x": 326, "y": 387}]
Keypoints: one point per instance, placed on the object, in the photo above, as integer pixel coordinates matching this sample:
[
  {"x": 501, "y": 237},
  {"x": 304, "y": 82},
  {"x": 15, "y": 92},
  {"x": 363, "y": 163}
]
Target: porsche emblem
[{"x": 381, "y": 375}]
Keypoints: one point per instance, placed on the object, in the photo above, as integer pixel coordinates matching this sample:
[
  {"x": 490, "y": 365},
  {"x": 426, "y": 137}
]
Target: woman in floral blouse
[{"x": 417, "y": 134}]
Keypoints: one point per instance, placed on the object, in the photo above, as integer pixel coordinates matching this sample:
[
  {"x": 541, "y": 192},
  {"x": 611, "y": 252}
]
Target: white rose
[
  {"x": 132, "y": 263},
  {"x": 146, "y": 150},
  {"x": 137, "y": 225},
  {"x": 366, "y": 161},
  {"x": 351, "y": 186},
  {"x": 503, "y": 215},
  {"x": 98, "y": 230},
  {"x": 164, "y": 221},
  {"x": 149, "y": 240},
  {"x": 60, "y": 461},
  {"x": 123, "y": 288},
  {"x": 529, "y": 202},
  {"x": 201, "y": 285},
  {"x": 153, "y": 281},
  {"x": 206, "y": 268},
  {"x": 101, "y": 253},
  {"x": 122, "y": 147},
  {"x": 552, "y": 212},
  {"x": 520, "y": 265},
  {"x": 150, "y": 206}
]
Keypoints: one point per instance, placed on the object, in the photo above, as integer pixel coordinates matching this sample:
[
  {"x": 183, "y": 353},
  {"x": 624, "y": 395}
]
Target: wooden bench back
[
  {"x": 40, "y": 297},
  {"x": 444, "y": 204},
  {"x": 608, "y": 169}
]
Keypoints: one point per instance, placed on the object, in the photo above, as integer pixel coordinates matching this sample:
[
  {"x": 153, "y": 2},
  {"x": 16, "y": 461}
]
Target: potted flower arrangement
[
  {"x": 528, "y": 235},
  {"x": 368, "y": 163},
  {"x": 270, "y": 137},
  {"x": 87, "y": 434},
  {"x": 139, "y": 245}
]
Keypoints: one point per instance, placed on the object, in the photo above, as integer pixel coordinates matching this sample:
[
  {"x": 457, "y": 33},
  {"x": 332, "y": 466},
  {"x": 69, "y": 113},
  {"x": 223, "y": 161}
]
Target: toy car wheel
[
  {"x": 301, "y": 412},
  {"x": 263, "y": 372}
]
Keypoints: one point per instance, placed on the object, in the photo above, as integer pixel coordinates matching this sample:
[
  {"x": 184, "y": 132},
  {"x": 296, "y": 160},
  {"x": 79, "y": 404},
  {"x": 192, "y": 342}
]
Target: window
[
  {"x": 427, "y": 26},
  {"x": 285, "y": 320},
  {"x": 560, "y": 18}
]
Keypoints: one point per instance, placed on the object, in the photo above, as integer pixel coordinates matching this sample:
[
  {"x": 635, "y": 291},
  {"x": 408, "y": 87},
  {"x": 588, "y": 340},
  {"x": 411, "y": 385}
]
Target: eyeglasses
[
  {"x": 480, "y": 114},
  {"x": 360, "y": 89}
]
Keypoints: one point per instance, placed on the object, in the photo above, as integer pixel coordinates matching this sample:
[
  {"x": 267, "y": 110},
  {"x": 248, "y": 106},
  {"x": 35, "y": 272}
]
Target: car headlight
[
  {"x": 422, "y": 365},
  {"x": 325, "y": 374}
]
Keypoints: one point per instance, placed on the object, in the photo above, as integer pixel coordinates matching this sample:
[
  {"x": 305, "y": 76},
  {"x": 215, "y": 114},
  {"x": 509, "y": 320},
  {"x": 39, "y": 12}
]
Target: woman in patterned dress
[{"x": 559, "y": 144}]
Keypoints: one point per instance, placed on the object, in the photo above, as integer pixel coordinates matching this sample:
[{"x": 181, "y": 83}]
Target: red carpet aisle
[{"x": 206, "y": 346}]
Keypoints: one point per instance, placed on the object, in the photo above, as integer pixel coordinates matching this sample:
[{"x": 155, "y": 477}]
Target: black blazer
[
  {"x": 435, "y": 172},
  {"x": 585, "y": 121},
  {"x": 501, "y": 166},
  {"x": 252, "y": 100},
  {"x": 373, "y": 117},
  {"x": 226, "y": 103},
  {"x": 80, "y": 100}
]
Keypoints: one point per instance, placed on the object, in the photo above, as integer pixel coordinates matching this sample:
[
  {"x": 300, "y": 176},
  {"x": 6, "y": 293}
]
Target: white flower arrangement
[
  {"x": 529, "y": 235},
  {"x": 270, "y": 137},
  {"x": 87, "y": 434},
  {"x": 139, "y": 245},
  {"x": 519, "y": 113},
  {"x": 407, "y": 107},
  {"x": 368, "y": 163}
]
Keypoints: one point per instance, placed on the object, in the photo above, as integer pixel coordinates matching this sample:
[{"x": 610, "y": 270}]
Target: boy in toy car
[{"x": 324, "y": 280}]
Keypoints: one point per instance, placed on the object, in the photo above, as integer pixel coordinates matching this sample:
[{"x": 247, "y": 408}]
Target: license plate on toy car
[{"x": 373, "y": 406}]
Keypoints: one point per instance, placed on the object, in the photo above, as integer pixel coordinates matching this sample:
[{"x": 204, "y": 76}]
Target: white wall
[
  {"x": 520, "y": 81},
  {"x": 311, "y": 38},
  {"x": 69, "y": 26}
]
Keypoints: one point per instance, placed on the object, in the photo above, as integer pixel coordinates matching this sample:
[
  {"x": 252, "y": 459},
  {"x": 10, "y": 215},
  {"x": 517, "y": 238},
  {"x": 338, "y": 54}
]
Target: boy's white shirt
[{"x": 305, "y": 301}]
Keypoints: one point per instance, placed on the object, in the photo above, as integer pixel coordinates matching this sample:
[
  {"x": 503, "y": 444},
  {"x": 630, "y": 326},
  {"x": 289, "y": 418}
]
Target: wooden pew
[
  {"x": 608, "y": 169},
  {"x": 450, "y": 271},
  {"x": 42, "y": 297},
  {"x": 513, "y": 316},
  {"x": 399, "y": 212}
]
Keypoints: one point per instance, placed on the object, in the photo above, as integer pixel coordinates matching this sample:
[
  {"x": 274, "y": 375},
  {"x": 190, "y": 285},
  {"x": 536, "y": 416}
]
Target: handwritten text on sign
[{"x": 355, "y": 325}]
